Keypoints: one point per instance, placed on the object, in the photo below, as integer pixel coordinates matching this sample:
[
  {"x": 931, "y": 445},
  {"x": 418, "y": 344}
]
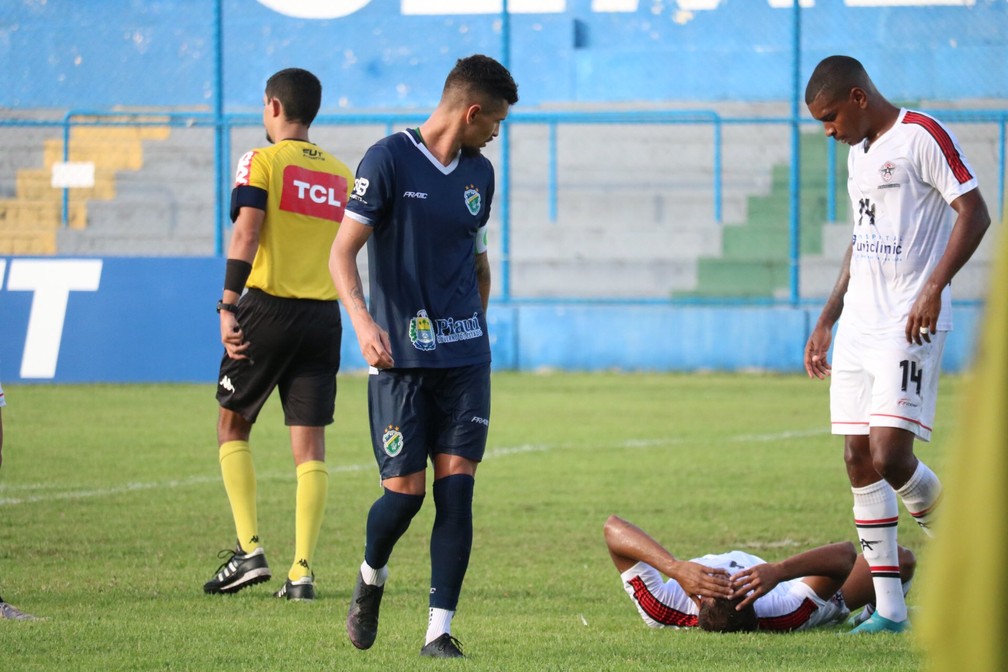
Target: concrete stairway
[
  {"x": 163, "y": 207},
  {"x": 31, "y": 219},
  {"x": 635, "y": 208},
  {"x": 634, "y": 213}
]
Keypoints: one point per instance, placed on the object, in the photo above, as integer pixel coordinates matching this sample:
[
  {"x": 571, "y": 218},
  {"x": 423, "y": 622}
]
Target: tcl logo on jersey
[
  {"x": 313, "y": 193},
  {"x": 244, "y": 165}
]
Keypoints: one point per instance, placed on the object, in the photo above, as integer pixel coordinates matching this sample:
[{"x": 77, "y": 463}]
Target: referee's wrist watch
[{"x": 229, "y": 307}]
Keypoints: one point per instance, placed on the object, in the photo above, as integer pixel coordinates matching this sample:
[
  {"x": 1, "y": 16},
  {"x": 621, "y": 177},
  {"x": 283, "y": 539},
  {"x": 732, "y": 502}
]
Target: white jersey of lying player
[
  {"x": 900, "y": 188},
  {"x": 791, "y": 605}
]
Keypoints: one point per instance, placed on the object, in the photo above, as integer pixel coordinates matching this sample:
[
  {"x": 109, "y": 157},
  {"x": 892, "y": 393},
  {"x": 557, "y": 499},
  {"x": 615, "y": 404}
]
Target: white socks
[
  {"x": 440, "y": 619},
  {"x": 921, "y": 495},
  {"x": 876, "y": 513},
  {"x": 439, "y": 623},
  {"x": 372, "y": 576}
]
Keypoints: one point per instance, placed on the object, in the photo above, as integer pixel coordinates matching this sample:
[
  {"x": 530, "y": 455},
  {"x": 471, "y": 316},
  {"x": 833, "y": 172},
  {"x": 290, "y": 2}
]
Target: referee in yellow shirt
[{"x": 280, "y": 325}]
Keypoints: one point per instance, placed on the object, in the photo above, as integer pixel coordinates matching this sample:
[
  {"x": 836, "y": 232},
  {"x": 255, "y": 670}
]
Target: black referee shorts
[{"x": 294, "y": 345}]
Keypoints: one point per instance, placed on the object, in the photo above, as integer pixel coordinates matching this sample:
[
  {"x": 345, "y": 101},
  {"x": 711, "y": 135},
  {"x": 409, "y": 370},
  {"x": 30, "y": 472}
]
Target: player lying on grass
[{"x": 736, "y": 591}]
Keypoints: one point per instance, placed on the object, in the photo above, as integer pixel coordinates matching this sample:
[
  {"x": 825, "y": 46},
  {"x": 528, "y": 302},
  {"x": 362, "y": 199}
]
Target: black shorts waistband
[{"x": 266, "y": 297}]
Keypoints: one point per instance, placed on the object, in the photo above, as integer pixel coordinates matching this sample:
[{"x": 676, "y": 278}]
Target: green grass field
[{"x": 112, "y": 512}]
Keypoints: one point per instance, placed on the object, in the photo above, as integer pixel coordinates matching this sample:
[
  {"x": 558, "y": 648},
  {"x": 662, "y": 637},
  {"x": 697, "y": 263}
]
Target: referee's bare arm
[{"x": 243, "y": 246}]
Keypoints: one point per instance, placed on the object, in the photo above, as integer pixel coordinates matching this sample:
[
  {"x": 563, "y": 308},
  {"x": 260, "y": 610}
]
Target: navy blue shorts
[
  {"x": 418, "y": 413},
  {"x": 294, "y": 346}
]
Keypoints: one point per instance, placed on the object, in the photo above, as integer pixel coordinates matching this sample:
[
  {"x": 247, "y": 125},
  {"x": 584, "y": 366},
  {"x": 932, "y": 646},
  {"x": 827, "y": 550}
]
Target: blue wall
[
  {"x": 101, "y": 53},
  {"x": 132, "y": 320}
]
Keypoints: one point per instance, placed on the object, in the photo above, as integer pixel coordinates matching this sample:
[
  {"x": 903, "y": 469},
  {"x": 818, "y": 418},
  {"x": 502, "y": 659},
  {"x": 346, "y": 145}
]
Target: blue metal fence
[
  {"x": 552, "y": 120},
  {"x": 772, "y": 38}
]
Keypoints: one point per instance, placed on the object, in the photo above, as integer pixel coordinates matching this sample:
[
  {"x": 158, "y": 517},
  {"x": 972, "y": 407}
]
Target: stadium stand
[
  {"x": 31, "y": 219},
  {"x": 634, "y": 212}
]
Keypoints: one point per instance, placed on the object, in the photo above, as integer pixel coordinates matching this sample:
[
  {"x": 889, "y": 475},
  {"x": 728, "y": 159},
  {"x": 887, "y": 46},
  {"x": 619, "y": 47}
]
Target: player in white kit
[
  {"x": 738, "y": 591},
  {"x": 918, "y": 217}
]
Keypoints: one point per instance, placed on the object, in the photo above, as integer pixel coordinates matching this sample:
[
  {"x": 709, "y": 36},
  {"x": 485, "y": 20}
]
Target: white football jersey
[
  {"x": 3, "y": 402},
  {"x": 791, "y": 605},
  {"x": 900, "y": 188}
]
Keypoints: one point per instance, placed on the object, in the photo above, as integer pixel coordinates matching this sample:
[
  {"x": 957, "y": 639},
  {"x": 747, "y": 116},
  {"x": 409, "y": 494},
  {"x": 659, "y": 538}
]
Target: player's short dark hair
[
  {"x": 299, "y": 91},
  {"x": 834, "y": 77},
  {"x": 483, "y": 76},
  {"x": 718, "y": 614}
]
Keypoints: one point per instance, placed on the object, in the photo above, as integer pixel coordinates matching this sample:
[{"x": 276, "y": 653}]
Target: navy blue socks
[
  {"x": 451, "y": 539},
  {"x": 389, "y": 518}
]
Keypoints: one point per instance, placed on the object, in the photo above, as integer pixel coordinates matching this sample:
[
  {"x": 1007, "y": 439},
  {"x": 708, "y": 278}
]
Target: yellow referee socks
[
  {"x": 312, "y": 490},
  {"x": 240, "y": 484}
]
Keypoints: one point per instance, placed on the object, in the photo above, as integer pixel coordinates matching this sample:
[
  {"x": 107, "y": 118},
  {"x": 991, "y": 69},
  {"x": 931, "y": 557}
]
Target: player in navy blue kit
[{"x": 421, "y": 200}]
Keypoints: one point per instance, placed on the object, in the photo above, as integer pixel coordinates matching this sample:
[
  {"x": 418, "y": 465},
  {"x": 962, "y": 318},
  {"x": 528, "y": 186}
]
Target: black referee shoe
[
  {"x": 302, "y": 589},
  {"x": 362, "y": 619},
  {"x": 444, "y": 646},
  {"x": 239, "y": 570}
]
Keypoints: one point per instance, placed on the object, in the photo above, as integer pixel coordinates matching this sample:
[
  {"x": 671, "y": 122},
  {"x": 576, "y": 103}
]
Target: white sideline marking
[
  {"x": 53, "y": 494},
  {"x": 779, "y": 436}
]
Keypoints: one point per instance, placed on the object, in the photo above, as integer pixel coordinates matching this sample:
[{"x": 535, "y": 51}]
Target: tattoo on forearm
[{"x": 357, "y": 299}]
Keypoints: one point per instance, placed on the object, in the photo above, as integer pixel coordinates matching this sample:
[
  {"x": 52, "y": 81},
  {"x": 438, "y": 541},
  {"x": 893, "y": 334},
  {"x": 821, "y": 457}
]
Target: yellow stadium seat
[{"x": 29, "y": 222}]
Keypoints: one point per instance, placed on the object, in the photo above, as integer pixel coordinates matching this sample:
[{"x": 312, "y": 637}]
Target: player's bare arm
[
  {"x": 824, "y": 569},
  {"x": 817, "y": 347},
  {"x": 628, "y": 545},
  {"x": 972, "y": 222},
  {"x": 483, "y": 278},
  {"x": 243, "y": 246},
  {"x": 373, "y": 340}
]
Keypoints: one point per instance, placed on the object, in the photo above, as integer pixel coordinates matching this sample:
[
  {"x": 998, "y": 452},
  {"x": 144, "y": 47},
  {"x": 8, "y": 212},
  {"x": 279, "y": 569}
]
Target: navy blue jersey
[{"x": 422, "y": 252}]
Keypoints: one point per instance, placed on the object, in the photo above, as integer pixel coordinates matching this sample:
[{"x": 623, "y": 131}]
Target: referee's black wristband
[{"x": 236, "y": 272}]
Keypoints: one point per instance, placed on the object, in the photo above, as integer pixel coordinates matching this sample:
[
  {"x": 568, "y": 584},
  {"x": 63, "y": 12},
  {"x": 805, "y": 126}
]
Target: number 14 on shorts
[{"x": 911, "y": 375}]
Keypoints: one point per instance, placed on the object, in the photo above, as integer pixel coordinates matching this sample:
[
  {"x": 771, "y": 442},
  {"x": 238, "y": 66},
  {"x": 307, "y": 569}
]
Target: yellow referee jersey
[{"x": 303, "y": 191}]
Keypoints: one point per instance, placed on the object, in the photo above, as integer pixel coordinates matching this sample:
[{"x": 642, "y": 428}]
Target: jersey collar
[{"x": 414, "y": 135}]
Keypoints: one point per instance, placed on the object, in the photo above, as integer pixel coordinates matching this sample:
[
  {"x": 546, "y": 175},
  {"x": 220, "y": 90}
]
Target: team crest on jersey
[
  {"x": 887, "y": 171},
  {"x": 473, "y": 200},
  {"x": 392, "y": 441},
  {"x": 421, "y": 332}
]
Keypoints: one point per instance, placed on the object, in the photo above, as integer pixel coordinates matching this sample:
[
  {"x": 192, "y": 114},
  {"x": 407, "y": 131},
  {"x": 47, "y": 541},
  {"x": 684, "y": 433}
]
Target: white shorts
[
  {"x": 791, "y": 605},
  {"x": 880, "y": 380}
]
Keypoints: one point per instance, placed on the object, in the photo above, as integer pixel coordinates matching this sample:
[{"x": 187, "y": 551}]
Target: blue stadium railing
[{"x": 551, "y": 119}]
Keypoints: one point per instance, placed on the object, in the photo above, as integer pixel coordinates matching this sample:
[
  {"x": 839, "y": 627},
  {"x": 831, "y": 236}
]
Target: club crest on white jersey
[{"x": 887, "y": 171}]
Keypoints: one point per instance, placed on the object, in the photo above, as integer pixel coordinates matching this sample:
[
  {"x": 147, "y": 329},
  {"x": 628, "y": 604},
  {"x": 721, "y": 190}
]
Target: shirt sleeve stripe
[
  {"x": 791, "y": 621},
  {"x": 659, "y": 612},
  {"x": 944, "y": 140}
]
